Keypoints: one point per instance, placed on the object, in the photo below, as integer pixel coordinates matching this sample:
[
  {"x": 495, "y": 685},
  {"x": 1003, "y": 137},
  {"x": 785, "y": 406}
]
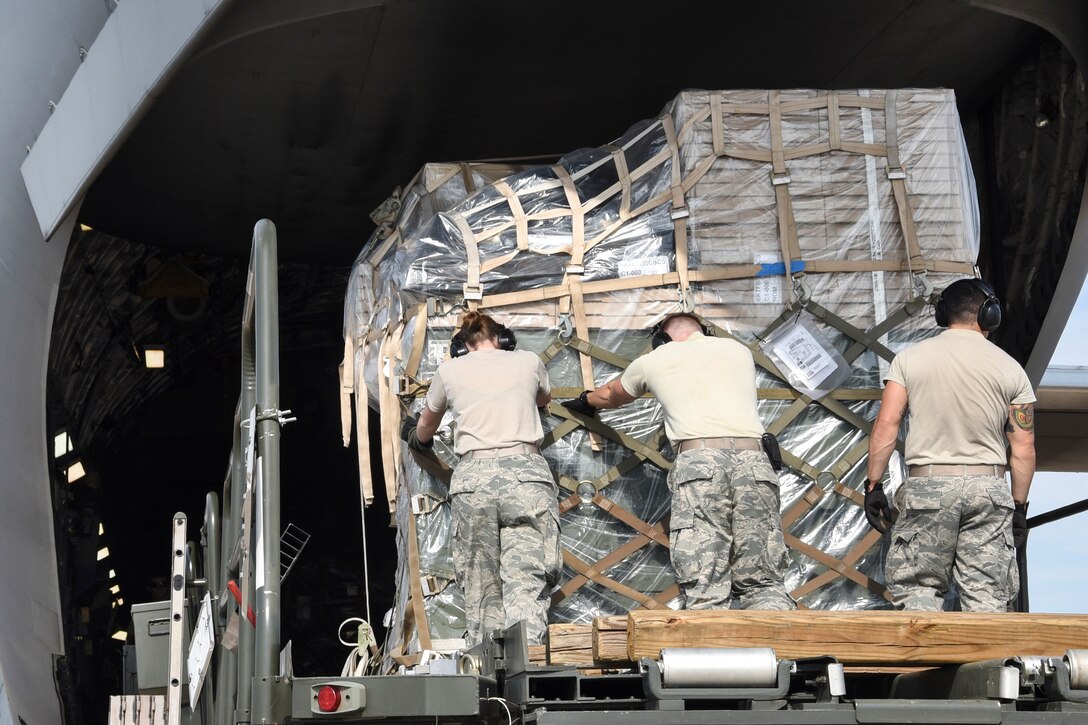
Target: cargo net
[{"x": 839, "y": 210}]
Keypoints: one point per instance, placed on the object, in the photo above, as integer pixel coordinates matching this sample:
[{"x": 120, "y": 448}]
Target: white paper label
[
  {"x": 805, "y": 357},
  {"x": 644, "y": 265},
  {"x": 767, "y": 290},
  {"x": 200, "y": 651}
]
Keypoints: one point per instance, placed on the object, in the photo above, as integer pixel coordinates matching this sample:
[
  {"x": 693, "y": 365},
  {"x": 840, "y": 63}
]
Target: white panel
[{"x": 140, "y": 46}]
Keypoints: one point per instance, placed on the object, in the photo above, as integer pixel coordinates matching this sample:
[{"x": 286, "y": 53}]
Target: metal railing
[{"x": 251, "y": 508}]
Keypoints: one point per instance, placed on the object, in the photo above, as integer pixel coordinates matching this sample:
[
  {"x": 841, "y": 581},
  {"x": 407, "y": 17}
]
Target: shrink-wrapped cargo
[{"x": 836, "y": 213}]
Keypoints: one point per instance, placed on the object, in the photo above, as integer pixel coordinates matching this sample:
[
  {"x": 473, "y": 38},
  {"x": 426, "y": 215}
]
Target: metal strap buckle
[
  {"x": 777, "y": 179},
  {"x": 896, "y": 172},
  {"x": 576, "y": 269},
  {"x": 680, "y": 212},
  {"x": 473, "y": 292},
  {"x": 424, "y": 504}
]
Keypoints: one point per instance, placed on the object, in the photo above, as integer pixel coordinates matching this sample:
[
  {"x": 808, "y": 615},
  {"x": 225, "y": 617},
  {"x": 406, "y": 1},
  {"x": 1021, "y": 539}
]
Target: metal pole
[
  {"x": 226, "y": 661},
  {"x": 266, "y": 334},
  {"x": 246, "y": 400}
]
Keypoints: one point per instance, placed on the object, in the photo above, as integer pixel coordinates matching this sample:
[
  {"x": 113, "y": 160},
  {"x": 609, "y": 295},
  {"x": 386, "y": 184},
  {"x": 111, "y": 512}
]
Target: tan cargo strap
[
  {"x": 473, "y": 291},
  {"x": 780, "y": 180},
  {"x": 588, "y": 348},
  {"x": 611, "y": 559},
  {"x": 592, "y": 573},
  {"x": 432, "y": 464},
  {"x": 558, "y": 432},
  {"x": 578, "y": 233},
  {"x": 619, "y": 512},
  {"x": 347, "y": 388},
  {"x": 417, "y": 608},
  {"x": 848, "y": 561},
  {"x": 628, "y": 464},
  {"x": 956, "y": 469},
  {"x": 389, "y": 414},
  {"x": 595, "y": 426},
  {"x": 842, "y": 568},
  {"x": 679, "y": 215},
  {"x": 898, "y": 178},
  {"x": 419, "y": 335},
  {"x": 718, "y": 273},
  {"x": 834, "y": 129},
  {"x": 570, "y": 502},
  {"x": 521, "y": 223},
  {"x": 625, "y": 180},
  {"x": 466, "y": 176}
]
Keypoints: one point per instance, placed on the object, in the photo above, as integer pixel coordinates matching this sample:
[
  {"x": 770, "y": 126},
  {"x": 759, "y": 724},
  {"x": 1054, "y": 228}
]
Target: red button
[{"x": 328, "y": 699}]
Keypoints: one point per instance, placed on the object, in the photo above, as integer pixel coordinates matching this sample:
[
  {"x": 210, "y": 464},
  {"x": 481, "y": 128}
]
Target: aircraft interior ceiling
[{"x": 310, "y": 114}]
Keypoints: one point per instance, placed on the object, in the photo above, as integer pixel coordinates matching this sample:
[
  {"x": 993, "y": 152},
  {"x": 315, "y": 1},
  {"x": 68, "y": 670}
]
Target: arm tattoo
[{"x": 1022, "y": 417}]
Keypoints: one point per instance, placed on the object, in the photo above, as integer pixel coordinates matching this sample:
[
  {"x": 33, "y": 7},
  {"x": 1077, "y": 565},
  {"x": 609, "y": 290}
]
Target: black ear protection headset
[
  {"x": 507, "y": 341},
  {"x": 659, "y": 337},
  {"x": 989, "y": 313}
]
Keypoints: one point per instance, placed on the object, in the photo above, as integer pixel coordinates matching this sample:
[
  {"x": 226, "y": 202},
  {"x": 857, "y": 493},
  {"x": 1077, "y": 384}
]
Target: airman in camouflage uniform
[
  {"x": 958, "y": 520},
  {"x": 505, "y": 539},
  {"x": 726, "y": 541},
  {"x": 509, "y": 577},
  {"x": 940, "y": 515}
]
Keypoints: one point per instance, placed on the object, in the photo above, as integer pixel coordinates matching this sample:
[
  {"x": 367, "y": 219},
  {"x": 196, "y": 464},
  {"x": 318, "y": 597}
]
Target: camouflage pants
[
  {"x": 953, "y": 528},
  {"x": 726, "y": 539},
  {"x": 505, "y": 542}
]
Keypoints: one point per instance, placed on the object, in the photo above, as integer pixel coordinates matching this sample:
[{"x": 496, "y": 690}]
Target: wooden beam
[
  {"x": 570, "y": 644},
  {"x": 610, "y": 639},
  {"x": 877, "y": 637},
  {"x": 573, "y": 644}
]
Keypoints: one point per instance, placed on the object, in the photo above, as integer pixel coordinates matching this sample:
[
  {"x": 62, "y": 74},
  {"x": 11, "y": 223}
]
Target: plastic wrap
[{"x": 590, "y": 249}]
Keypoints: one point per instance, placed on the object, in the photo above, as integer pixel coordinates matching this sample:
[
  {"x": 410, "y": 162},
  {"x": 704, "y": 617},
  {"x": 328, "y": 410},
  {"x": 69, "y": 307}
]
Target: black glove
[
  {"x": 408, "y": 433},
  {"x": 877, "y": 511},
  {"x": 581, "y": 405},
  {"x": 1020, "y": 524}
]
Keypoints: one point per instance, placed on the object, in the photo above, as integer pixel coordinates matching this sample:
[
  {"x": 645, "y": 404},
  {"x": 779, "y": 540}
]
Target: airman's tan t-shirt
[
  {"x": 959, "y": 389},
  {"x": 493, "y": 395},
  {"x": 706, "y": 386}
]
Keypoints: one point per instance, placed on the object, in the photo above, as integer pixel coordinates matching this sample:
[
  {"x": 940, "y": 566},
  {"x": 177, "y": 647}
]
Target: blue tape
[{"x": 778, "y": 268}]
